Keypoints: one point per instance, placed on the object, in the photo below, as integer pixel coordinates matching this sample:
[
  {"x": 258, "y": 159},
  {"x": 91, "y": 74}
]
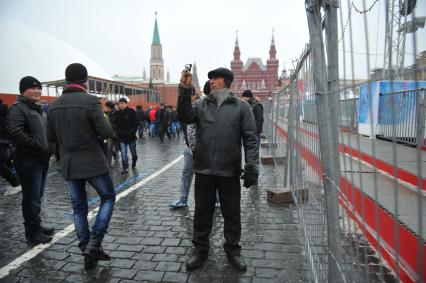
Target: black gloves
[{"x": 250, "y": 175}]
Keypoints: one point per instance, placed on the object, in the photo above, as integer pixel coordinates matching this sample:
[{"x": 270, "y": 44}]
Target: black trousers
[
  {"x": 205, "y": 196},
  {"x": 33, "y": 177},
  {"x": 162, "y": 131}
]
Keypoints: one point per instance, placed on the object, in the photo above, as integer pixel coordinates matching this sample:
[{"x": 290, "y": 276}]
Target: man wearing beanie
[
  {"x": 26, "y": 125},
  {"x": 257, "y": 109},
  {"x": 222, "y": 122},
  {"x": 77, "y": 124}
]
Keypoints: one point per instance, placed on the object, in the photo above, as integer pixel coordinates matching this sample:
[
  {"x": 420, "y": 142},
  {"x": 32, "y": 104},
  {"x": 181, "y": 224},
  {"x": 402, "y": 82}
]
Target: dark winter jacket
[
  {"x": 26, "y": 125},
  {"x": 76, "y": 122},
  {"x": 140, "y": 115},
  {"x": 163, "y": 117},
  {"x": 173, "y": 116},
  {"x": 257, "y": 109},
  {"x": 219, "y": 133},
  {"x": 126, "y": 125}
]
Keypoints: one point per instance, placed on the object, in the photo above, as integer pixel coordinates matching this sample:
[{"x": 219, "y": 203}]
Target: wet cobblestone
[{"x": 150, "y": 243}]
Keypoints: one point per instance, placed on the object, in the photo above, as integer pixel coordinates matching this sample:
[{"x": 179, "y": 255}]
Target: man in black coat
[
  {"x": 257, "y": 109},
  {"x": 126, "y": 124},
  {"x": 26, "y": 125},
  {"x": 76, "y": 122},
  {"x": 222, "y": 123},
  {"x": 163, "y": 121}
]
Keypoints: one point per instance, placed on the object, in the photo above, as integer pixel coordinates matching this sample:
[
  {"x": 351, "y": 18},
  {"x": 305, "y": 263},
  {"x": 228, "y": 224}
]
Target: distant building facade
[{"x": 261, "y": 79}]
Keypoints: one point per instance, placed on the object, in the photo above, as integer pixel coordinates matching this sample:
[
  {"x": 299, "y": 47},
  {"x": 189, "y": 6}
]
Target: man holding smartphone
[{"x": 222, "y": 122}]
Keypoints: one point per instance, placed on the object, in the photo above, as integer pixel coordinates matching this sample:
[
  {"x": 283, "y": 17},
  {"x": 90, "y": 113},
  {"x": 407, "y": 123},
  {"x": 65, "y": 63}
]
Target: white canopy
[{"x": 25, "y": 51}]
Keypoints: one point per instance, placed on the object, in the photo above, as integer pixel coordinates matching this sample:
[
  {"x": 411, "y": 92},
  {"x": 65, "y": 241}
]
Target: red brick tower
[
  {"x": 237, "y": 68},
  {"x": 272, "y": 68}
]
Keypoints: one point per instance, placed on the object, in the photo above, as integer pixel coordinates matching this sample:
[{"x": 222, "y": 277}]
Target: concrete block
[
  {"x": 284, "y": 195},
  {"x": 267, "y": 144},
  {"x": 269, "y": 159}
]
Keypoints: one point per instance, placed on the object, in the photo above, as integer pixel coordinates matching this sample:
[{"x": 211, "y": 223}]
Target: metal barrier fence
[
  {"x": 361, "y": 201},
  {"x": 348, "y": 110},
  {"x": 398, "y": 115}
]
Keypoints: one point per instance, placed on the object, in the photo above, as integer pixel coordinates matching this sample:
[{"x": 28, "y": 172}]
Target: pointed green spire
[{"x": 156, "y": 37}]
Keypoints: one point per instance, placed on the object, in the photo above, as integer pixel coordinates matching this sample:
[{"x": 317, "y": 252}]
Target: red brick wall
[{"x": 9, "y": 98}]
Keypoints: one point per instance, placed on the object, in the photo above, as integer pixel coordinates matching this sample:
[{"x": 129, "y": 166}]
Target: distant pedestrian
[
  {"x": 26, "y": 125},
  {"x": 111, "y": 148},
  {"x": 152, "y": 117},
  {"x": 174, "y": 123},
  {"x": 77, "y": 123},
  {"x": 224, "y": 124},
  {"x": 257, "y": 109},
  {"x": 140, "y": 116},
  {"x": 163, "y": 122},
  {"x": 126, "y": 124}
]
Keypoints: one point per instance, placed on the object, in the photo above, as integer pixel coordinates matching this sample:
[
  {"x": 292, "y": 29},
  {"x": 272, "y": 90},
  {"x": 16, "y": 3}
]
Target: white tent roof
[{"x": 25, "y": 51}]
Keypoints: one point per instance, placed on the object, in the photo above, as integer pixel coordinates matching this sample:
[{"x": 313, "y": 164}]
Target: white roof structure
[
  {"x": 257, "y": 61},
  {"x": 25, "y": 51}
]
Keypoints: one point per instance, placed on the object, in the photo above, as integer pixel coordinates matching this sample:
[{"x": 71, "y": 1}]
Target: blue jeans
[
  {"x": 124, "y": 158},
  {"x": 32, "y": 175},
  {"x": 103, "y": 185},
  {"x": 153, "y": 128},
  {"x": 187, "y": 174}
]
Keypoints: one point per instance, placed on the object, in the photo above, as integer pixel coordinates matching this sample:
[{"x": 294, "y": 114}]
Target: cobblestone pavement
[{"x": 147, "y": 241}]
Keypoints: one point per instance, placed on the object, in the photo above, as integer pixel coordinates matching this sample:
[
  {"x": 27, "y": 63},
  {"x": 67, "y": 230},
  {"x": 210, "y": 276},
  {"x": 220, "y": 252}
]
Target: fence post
[{"x": 327, "y": 119}]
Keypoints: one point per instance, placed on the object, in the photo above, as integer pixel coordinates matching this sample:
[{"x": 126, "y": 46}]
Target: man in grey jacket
[
  {"x": 76, "y": 122},
  {"x": 222, "y": 123}
]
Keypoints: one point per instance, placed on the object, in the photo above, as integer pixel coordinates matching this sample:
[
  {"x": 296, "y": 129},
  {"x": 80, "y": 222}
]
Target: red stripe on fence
[
  {"x": 401, "y": 174},
  {"x": 408, "y": 242}
]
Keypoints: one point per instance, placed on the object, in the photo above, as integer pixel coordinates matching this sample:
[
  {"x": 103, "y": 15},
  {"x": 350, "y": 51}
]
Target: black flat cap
[{"x": 222, "y": 73}]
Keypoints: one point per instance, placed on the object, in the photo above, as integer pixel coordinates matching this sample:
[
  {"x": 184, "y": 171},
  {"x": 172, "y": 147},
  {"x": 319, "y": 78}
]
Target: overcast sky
[{"x": 118, "y": 34}]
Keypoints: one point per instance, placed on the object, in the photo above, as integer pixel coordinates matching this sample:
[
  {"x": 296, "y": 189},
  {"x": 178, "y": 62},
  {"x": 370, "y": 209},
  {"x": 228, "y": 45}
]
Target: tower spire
[
  {"x": 156, "y": 63},
  {"x": 272, "y": 50},
  {"x": 156, "y": 36},
  {"x": 236, "y": 39}
]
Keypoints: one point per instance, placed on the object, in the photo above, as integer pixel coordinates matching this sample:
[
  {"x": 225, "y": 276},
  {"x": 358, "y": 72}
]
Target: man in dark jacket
[
  {"x": 140, "y": 116},
  {"x": 222, "y": 122},
  {"x": 26, "y": 124},
  {"x": 76, "y": 122},
  {"x": 257, "y": 109},
  {"x": 163, "y": 121},
  {"x": 126, "y": 124}
]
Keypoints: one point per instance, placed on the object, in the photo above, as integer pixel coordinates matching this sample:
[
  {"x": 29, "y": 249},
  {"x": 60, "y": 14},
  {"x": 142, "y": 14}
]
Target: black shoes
[
  {"x": 39, "y": 238},
  {"x": 133, "y": 164},
  {"x": 238, "y": 262},
  {"x": 196, "y": 260},
  {"x": 125, "y": 171},
  {"x": 90, "y": 262},
  {"x": 94, "y": 252},
  {"x": 94, "y": 248},
  {"x": 49, "y": 231}
]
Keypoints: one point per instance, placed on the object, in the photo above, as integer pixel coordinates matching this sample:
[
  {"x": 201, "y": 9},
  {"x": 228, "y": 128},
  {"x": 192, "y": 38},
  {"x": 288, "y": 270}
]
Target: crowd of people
[{"x": 86, "y": 137}]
